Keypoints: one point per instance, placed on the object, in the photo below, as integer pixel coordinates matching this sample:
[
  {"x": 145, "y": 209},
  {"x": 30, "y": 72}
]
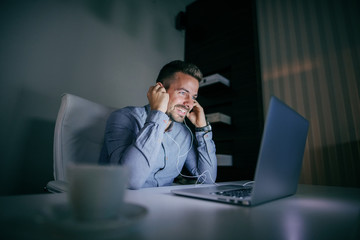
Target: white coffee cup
[{"x": 96, "y": 192}]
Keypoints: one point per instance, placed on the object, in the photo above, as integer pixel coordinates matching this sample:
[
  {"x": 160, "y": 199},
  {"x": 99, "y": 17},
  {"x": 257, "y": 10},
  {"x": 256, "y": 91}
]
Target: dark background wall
[{"x": 106, "y": 51}]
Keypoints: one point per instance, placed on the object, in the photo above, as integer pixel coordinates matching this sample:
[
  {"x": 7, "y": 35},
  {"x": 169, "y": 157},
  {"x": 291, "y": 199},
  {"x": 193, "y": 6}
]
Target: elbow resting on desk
[{"x": 133, "y": 185}]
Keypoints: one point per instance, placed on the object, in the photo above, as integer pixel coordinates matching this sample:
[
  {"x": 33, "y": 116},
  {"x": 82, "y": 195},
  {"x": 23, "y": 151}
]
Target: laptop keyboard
[{"x": 236, "y": 193}]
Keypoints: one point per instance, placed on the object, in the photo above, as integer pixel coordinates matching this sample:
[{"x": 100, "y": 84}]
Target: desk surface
[{"x": 315, "y": 212}]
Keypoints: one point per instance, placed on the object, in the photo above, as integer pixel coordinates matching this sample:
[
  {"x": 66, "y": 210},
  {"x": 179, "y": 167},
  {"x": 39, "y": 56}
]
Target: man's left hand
[{"x": 197, "y": 115}]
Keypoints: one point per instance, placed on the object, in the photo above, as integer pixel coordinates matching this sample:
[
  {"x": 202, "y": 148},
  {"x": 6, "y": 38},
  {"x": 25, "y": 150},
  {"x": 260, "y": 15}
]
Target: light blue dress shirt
[{"x": 135, "y": 137}]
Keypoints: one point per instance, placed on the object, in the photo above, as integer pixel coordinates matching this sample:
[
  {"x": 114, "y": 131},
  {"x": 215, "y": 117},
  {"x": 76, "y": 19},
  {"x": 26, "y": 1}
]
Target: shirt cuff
[
  {"x": 158, "y": 117},
  {"x": 201, "y": 137}
]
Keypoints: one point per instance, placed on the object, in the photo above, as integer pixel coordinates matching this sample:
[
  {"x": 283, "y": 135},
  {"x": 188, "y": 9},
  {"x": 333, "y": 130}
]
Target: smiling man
[{"x": 153, "y": 141}]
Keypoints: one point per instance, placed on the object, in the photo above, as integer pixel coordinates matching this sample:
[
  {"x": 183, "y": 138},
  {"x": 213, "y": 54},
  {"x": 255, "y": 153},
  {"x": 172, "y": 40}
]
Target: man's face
[{"x": 182, "y": 92}]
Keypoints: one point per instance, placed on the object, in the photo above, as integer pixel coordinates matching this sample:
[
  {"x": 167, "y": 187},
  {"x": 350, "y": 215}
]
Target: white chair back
[{"x": 78, "y": 136}]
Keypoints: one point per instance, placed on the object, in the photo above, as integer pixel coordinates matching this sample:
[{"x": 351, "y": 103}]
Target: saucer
[{"x": 61, "y": 222}]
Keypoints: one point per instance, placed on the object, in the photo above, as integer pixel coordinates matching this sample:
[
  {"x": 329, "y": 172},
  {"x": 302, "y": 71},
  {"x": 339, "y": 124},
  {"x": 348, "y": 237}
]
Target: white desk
[{"x": 315, "y": 212}]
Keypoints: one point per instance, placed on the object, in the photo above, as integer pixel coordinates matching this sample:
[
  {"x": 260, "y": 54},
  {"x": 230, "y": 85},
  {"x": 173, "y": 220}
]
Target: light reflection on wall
[{"x": 309, "y": 54}]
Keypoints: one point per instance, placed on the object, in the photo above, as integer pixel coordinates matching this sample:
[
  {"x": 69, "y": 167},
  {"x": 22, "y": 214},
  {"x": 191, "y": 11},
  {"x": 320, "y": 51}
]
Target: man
[{"x": 153, "y": 142}]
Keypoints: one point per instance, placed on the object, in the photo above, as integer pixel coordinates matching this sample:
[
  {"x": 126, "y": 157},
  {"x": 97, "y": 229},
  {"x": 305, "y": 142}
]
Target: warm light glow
[{"x": 285, "y": 70}]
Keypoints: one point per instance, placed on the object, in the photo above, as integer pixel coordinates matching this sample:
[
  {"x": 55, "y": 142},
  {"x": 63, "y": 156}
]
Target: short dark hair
[{"x": 168, "y": 70}]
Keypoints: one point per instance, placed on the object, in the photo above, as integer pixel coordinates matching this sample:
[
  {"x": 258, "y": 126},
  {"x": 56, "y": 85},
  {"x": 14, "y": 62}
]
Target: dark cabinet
[{"x": 221, "y": 37}]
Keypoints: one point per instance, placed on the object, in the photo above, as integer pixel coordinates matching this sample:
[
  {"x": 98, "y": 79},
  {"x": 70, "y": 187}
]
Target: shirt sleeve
[
  {"x": 134, "y": 144},
  {"x": 201, "y": 160}
]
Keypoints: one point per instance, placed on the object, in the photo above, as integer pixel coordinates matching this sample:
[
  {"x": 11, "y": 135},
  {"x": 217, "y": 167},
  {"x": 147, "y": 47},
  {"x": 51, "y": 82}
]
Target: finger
[
  {"x": 160, "y": 88},
  {"x": 197, "y": 103},
  {"x": 151, "y": 89},
  {"x": 155, "y": 88}
]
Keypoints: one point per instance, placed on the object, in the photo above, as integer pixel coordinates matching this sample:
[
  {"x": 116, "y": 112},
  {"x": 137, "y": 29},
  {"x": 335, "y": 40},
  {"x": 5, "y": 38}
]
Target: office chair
[{"x": 78, "y": 136}]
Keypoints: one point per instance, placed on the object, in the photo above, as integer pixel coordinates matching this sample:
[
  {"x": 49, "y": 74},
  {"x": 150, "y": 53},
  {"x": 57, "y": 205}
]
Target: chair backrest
[{"x": 79, "y": 133}]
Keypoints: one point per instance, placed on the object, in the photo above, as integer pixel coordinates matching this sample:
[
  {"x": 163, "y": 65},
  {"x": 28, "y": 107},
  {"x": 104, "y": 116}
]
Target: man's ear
[{"x": 160, "y": 84}]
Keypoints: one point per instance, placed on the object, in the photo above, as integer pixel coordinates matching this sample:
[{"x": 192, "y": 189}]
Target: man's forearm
[
  {"x": 202, "y": 161},
  {"x": 139, "y": 155}
]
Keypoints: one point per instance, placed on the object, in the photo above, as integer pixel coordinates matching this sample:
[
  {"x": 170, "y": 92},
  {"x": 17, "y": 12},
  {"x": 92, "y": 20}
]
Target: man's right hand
[{"x": 158, "y": 97}]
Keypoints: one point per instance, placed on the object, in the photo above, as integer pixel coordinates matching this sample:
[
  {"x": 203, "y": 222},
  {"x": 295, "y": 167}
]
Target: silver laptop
[{"x": 278, "y": 166}]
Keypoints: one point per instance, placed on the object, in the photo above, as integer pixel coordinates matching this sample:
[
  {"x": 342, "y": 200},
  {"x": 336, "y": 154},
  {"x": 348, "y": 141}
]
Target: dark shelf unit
[{"x": 221, "y": 37}]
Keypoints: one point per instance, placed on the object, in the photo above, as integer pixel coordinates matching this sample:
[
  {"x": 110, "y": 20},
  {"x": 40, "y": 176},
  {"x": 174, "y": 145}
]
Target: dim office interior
[{"x": 307, "y": 53}]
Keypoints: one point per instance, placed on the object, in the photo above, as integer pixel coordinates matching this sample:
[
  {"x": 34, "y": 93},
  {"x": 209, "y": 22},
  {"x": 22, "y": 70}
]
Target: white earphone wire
[{"x": 199, "y": 177}]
